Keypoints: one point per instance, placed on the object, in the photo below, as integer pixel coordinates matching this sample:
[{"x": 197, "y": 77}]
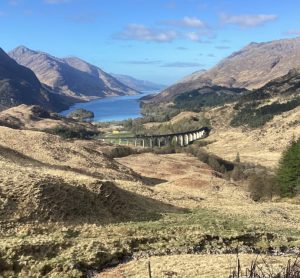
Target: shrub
[
  {"x": 263, "y": 186},
  {"x": 198, "y": 99},
  {"x": 73, "y": 133},
  {"x": 120, "y": 151},
  {"x": 254, "y": 116},
  {"x": 216, "y": 163},
  {"x": 237, "y": 173},
  {"x": 81, "y": 114}
]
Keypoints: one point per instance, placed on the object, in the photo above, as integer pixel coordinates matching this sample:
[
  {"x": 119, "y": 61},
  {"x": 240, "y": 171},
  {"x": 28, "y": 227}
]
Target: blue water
[{"x": 112, "y": 108}]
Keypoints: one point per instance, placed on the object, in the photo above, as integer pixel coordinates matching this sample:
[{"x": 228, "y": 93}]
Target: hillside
[
  {"x": 70, "y": 76},
  {"x": 251, "y": 67},
  {"x": 19, "y": 85},
  {"x": 64, "y": 181},
  {"x": 138, "y": 85},
  {"x": 36, "y": 118},
  {"x": 70, "y": 210},
  {"x": 73, "y": 208}
]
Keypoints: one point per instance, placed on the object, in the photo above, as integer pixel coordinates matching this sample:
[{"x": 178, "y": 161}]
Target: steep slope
[
  {"x": 58, "y": 180},
  {"x": 251, "y": 68},
  {"x": 139, "y": 85},
  {"x": 284, "y": 85},
  {"x": 70, "y": 76},
  {"x": 19, "y": 85}
]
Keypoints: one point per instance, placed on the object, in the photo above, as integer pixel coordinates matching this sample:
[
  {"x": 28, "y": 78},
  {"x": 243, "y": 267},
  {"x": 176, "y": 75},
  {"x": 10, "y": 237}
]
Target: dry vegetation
[
  {"x": 36, "y": 118},
  {"x": 186, "y": 266},
  {"x": 263, "y": 146},
  {"x": 69, "y": 209}
]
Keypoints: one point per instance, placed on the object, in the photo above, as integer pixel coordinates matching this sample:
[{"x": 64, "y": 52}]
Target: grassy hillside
[
  {"x": 174, "y": 204},
  {"x": 71, "y": 208}
]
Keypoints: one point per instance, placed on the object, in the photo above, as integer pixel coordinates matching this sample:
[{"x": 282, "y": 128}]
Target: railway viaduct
[{"x": 181, "y": 139}]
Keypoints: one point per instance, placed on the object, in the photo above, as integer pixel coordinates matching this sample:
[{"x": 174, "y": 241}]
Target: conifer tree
[{"x": 288, "y": 174}]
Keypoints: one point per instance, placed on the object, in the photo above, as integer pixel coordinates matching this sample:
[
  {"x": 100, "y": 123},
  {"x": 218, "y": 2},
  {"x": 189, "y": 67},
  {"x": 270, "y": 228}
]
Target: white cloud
[
  {"x": 181, "y": 48},
  {"x": 199, "y": 36},
  {"x": 247, "y": 20},
  {"x": 292, "y": 32},
  {"x": 140, "y": 32},
  {"x": 193, "y": 36},
  {"x": 191, "y": 22}
]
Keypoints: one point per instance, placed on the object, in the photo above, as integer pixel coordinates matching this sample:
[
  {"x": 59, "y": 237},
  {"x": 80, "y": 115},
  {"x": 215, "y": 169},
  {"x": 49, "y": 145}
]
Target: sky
[{"x": 156, "y": 40}]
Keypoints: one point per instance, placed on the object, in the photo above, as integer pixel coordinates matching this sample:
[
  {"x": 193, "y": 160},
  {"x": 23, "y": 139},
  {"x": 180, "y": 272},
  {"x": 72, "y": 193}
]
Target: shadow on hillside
[
  {"x": 51, "y": 198},
  {"x": 24, "y": 160},
  {"x": 99, "y": 202},
  {"x": 152, "y": 181}
]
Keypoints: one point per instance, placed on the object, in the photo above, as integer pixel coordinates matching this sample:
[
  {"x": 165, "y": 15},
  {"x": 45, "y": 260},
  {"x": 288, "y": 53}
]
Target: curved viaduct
[{"x": 181, "y": 139}]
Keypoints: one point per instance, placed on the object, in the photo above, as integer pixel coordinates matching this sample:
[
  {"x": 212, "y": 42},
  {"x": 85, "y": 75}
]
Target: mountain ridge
[
  {"x": 137, "y": 84},
  {"x": 251, "y": 67},
  {"x": 70, "y": 76},
  {"x": 19, "y": 85}
]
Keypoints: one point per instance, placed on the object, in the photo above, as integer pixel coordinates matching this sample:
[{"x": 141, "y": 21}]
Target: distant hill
[
  {"x": 260, "y": 106},
  {"x": 284, "y": 85},
  {"x": 70, "y": 76},
  {"x": 251, "y": 68},
  {"x": 19, "y": 85},
  {"x": 139, "y": 85}
]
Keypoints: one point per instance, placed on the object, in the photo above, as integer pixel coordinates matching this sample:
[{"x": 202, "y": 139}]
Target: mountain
[
  {"x": 251, "y": 68},
  {"x": 19, "y": 85},
  {"x": 279, "y": 96},
  {"x": 70, "y": 76},
  {"x": 139, "y": 85}
]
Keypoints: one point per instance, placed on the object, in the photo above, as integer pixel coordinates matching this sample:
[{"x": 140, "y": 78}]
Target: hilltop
[
  {"x": 19, "y": 85},
  {"x": 251, "y": 67},
  {"x": 70, "y": 76}
]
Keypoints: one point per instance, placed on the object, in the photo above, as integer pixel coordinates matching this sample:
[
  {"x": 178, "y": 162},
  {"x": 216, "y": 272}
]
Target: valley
[
  {"x": 112, "y": 108},
  {"x": 91, "y": 207},
  {"x": 80, "y": 203},
  {"x": 79, "y": 199}
]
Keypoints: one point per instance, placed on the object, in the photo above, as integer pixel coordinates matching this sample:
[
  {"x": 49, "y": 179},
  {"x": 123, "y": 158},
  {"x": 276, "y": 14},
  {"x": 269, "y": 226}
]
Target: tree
[
  {"x": 237, "y": 173},
  {"x": 81, "y": 114},
  {"x": 288, "y": 174},
  {"x": 237, "y": 158}
]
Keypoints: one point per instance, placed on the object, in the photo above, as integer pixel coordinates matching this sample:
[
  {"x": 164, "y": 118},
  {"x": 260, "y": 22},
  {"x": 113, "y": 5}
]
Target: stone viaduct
[{"x": 181, "y": 139}]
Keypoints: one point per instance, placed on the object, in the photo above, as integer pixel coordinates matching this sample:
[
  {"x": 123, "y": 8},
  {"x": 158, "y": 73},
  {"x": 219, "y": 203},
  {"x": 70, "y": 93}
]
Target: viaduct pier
[{"x": 180, "y": 139}]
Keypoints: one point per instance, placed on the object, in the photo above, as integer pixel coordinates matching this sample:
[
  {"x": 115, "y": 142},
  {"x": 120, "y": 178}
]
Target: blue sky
[{"x": 157, "y": 40}]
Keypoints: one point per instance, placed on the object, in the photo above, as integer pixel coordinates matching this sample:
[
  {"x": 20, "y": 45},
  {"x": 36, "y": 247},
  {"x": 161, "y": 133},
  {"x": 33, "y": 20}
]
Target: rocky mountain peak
[
  {"x": 251, "y": 67},
  {"x": 70, "y": 76}
]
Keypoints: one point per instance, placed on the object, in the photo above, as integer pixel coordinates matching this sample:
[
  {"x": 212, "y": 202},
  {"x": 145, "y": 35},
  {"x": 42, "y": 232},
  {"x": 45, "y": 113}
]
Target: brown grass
[
  {"x": 261, "y": 146},
  {"x": 209, "y": 266},
  {"x": 56, "y": 192}
]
